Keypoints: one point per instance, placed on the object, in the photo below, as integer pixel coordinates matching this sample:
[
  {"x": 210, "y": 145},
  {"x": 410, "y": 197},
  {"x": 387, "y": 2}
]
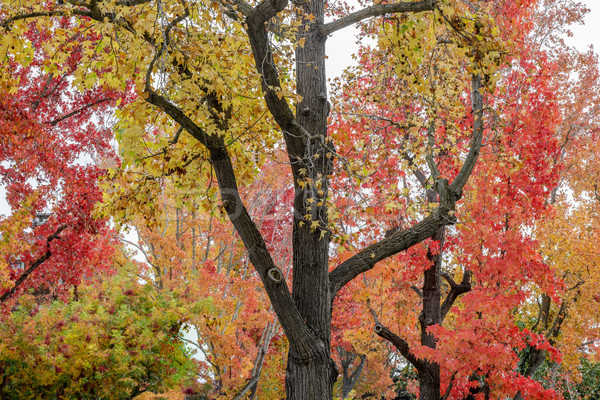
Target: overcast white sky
[{"x": 588, "y": 34}]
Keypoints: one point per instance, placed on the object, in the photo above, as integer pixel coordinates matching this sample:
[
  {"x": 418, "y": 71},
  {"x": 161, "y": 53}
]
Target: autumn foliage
[
  {"x": 55, "y": 147},
  {"x": 190, "y": 214}
]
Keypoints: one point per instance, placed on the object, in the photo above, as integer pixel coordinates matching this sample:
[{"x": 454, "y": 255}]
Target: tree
[
  {"x": 222, "y": 72},
  {"x": 116, "y": 340},
  {"x": 69, "y": 328},
  {"x": 52, "y": 155},
  {"x": 465, "y": 282}
]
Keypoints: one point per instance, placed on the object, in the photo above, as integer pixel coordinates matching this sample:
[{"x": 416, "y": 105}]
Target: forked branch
[
  {"x": 443, "y": 215},
  {"x": 455, "y": 291}
]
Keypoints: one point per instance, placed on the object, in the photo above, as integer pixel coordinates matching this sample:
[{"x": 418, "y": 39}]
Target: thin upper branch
[
  {"x": 77, "y": 111},
  {"x": 377, "y": 10},
  {"x": 476, "y": 140},
  {"x": 294, "y": 134}
]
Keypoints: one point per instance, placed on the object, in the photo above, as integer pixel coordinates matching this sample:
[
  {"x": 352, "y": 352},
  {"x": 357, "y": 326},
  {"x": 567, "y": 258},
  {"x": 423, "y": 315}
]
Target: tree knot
[{"x": 275, "y": 274}]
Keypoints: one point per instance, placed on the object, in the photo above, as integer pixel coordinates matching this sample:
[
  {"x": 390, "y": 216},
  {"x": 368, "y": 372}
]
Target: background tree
[
  {"x": 496, "y": 257},
  {"x": 192, "y": 252},
  {"x": 569, "y": 319},
  {"x": 69, "y": 328}
]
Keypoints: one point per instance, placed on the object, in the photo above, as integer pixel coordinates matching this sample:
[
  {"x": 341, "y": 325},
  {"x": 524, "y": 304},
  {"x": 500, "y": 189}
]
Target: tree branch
[
  {"x": 442, "y": 215},
  {"x": 35, "y": 265},
  {"x": 377, "y": 10},
  {"x": 75, "y": 112},
  {"x": 553, "y": 333},
  {"x": 179, "y": 116},
  {"x": 449, "y": 388},
  {"x": 271, "y": 276},
  {"x": 417, "y": 291},
  {"x": 238, "y": 6},
  {"x": 294, "y": 135},
  {"x": 52, "y": 13},
  {"x": 253, "y": 381},
  {"x": 393, "y": 244},
  {"x": 449, "y": 279},
  {"x": 469, "y": 164},
  {"x": 401, "y": 345},
  {"x": 132, "y": 2},
  {"x": 305, "y": 342}
]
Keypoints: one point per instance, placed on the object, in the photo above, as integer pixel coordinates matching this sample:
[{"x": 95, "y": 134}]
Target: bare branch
[
  {"x": 455, "y": 291},
  {"x": 449, "y": 388},
  {"x": 75, "y": 112},
  {"x": 253, "y": 381},
  {"x": 393, "y": 244},
  {"x": 234, "y": 7},
  {"x": 401, "y": 345},
  {"x": 449, "y": 279},
  {"x": 294, "y": 134},
  {"x": 52, "y": 13},
  {"x": 418, "y": 291},
  {"x": 132, "y": 2}
]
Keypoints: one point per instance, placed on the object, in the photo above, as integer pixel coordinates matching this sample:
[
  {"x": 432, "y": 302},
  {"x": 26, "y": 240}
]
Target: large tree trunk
[
  {"x": 312, "y": 378},
  {"x": 307, "y": 322}
]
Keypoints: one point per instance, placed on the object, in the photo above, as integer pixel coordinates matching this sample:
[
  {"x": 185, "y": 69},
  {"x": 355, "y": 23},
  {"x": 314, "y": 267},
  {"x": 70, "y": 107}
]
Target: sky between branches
[{"x": 342, "y": 44}]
